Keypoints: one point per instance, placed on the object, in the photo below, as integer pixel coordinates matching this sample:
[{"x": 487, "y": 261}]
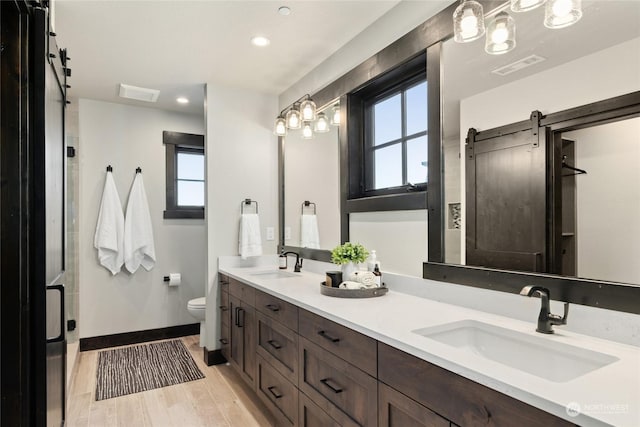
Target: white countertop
[{"x": 607, "y": 396}]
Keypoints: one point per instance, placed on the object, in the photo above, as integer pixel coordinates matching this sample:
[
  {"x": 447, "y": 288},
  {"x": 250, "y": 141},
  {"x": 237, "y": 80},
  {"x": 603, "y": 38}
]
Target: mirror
[
  {"x": 311, "y": 174},
  {"x": 552, "y": 71}
]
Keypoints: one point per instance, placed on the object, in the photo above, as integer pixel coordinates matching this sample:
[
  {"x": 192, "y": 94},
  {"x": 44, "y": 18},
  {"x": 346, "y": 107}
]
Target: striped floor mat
[{"x": 144, "y": 367}]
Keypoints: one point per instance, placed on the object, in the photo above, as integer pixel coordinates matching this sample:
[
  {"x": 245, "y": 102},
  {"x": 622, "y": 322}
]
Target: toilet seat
[{"x": 197, "y": 303}]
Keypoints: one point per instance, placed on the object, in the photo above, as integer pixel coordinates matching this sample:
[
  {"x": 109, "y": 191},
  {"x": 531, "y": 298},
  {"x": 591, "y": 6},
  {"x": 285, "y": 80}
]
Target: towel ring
[
  {"x": 109, "y": 168},
  {"x": 307, "y": 203},
  {"x": 247, "y": 202}
]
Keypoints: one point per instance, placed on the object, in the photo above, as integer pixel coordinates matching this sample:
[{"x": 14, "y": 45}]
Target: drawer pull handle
[
  {"x": 273, "y": 307},
  {"x": 274, "y": 391},
  {"x": 223, "y": 308},
  {"x": 326, "y": 336},
  {"x": 275, "y": 344},
  {"x": 224, "y": 341},
  {"x": 335, "y": 389}
]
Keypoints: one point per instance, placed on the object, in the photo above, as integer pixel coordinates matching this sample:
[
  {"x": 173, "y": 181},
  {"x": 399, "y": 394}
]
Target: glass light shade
[
  {"x": 562, "y": 13},
  {"x": 280, "y": 127},
  {"x": 294, "y": 121},
  {"x": 307, "y": 131},
  {"x": 308, "y": 110},
  {"x": 335, "y": 115},
  {"x": 501, "y": 34},
  {"x": 322, "y": 124},
  {"x": 468, "y": 21},
  {"x": 525, "y": 5}
]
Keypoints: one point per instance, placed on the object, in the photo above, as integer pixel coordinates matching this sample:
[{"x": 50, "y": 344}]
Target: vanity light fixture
[
  {"x": 525, "y": 5},
  {"x": 308, "y": 110},
  {"x": 562, "y": 13},
  {"x": 468, "y": 21},
  {"x": 280, "y": 128},
  {"x": 501, "y": 34},
  {"x": 182, "y": 100},
  {"x": 307, "y": 131},
  {"x": 322, "y": 124},
  {"x": 294, "y": 120},
  {"x": 335, "y": 115}
]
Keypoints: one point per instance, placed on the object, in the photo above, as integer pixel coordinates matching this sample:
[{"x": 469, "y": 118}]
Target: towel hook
[
  {"x": 138, "y": 170},
  {"x": 109, "y": 168},
  {"x": 307, "y": 203},
  {"x": 247, "y": 202}
]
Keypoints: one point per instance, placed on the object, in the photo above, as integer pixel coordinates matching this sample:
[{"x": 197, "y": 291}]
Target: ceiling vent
[
  {"x": 518, "y": 65},
  {"x": 138, "y": 93}
]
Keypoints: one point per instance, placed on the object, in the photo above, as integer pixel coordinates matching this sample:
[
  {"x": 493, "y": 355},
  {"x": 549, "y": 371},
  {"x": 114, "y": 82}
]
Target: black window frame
[
  {"x": 370, "y": 147},
  {"x": 360, "y": 196},
  {"x": 179, "y": 142}
]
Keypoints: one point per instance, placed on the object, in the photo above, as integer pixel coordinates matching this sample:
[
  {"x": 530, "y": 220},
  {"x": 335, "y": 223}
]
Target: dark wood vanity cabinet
[
  {"x": 310, "y": 371},
  {"x": 243, "y": 330}
]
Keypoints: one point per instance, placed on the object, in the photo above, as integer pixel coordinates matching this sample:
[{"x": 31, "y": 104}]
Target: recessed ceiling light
[
  {"x": 284, "y": 10},
  {"x": 260, "y": 41},
  {"x": 182, "y": 100}
]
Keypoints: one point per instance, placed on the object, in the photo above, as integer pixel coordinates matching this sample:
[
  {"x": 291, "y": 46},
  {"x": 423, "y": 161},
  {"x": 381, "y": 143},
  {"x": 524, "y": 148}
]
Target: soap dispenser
[
  {"x": 372, "y": 260},
  {"x": 282, "y": 261}
]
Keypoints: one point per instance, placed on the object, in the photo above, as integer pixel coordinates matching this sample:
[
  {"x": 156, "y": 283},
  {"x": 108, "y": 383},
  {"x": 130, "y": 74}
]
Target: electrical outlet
[
  {"x": 287, "y": 233},
  {"x": 270, "y": 233}
]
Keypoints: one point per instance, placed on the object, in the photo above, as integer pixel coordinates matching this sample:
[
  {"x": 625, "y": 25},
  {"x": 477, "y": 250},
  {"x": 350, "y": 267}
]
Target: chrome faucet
[
  {"x": 546, "y": 320},
  {"x": 298, "y": 266}
]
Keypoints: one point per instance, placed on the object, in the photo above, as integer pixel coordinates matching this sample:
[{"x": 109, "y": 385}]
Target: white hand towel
[
  {"x": 250, "y": 241},
  {"x": 109, "y": 237},
  {"x": 309, "y": 236},
  {"x": 138, "y": 232},
  {"x": 355, "y": 285}
]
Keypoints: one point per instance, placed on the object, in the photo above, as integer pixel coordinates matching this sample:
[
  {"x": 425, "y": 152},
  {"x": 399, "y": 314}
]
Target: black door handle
[
  {"x": 326, "y": 336},
  {"x": 274, "y": 391},
  {"x": 61, "y": 337},
  {"x": 335, "y": 389}
]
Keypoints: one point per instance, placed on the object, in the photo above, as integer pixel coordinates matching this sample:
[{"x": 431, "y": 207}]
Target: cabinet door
[
  {"x": 397, "y": 410},
  {"x": 237, "y": 335},
  {"x": 312, "y": 416},
  {"x": 247, "y": 322}
]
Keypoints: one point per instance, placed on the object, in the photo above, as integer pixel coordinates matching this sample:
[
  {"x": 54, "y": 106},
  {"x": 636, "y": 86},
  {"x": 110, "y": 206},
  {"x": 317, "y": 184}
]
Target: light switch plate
[
  {"x": 287, "y": 233},
  {"x": 270, "y": 233}
]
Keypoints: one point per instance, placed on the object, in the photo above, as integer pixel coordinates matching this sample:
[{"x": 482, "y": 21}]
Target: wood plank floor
[{"x": 220, "y": 399}]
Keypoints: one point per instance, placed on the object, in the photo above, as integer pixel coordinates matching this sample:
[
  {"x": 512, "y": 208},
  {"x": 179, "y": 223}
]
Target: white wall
[
  {"x": 608, "y": 201},
  {"x": 312, "y": 172},
  {"x": 588, "y": 79},
  {"x": 242, "y": 162},
  {"x": 399, "y": 238},
  {"x": 127, "y": 137}
]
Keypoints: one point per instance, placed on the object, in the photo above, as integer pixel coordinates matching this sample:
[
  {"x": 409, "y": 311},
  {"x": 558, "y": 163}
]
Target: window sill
[
  {"x": 414, "y": 200},
  {"x": 184, "y": 214}
]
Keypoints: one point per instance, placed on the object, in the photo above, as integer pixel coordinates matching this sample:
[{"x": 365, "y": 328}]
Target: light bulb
[
  {"x": 335, "y": 115},
  {"x": 500, "y": 34},
  {"x": 280, "y": 127},
  {"x": 308, "y": 110},
  {"x": 307, "y": 132},
  {"x": 322, "y": 124},
  {"x": 561, "y": 8},
  {"x": 293, "y": 119},
  {"x": 468, "y": 21},
  {"x": 562, "y": 13}
]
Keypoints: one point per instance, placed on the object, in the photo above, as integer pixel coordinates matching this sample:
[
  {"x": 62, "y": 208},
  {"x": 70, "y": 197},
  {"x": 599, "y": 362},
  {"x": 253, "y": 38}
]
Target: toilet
[{"x": 197, "y": 308}]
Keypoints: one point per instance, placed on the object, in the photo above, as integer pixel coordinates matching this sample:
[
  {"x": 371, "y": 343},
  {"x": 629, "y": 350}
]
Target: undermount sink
[
  {"x": 277, "y": 274},
  {"x": 542, "y": 357}
]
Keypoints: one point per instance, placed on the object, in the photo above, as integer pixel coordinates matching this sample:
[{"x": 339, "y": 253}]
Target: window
[
  {"x": 387, "y": 141},
  {"x": 185, "y": 180},
  {"x": 396, "y": 137}
]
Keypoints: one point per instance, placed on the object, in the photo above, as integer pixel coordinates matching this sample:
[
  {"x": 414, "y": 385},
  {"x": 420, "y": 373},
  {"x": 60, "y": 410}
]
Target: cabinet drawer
[
  {"x": 350, "y": 345},
  {"x": 338, "y": 387},
  {"x": 279, "y": 346},
  {"x": 397, "y": 410},
  {"x": 462, "y": 401},
  {"x": 311, "y": 415},
  {"x": 242, "y": 291},
  {"x": 277, "y": 393},
  {"x": 282, "y": 311}
]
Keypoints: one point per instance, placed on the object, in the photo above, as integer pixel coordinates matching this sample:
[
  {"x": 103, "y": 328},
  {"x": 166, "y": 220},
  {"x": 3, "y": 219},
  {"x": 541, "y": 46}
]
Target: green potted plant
[{"x": 348, "y": 256}]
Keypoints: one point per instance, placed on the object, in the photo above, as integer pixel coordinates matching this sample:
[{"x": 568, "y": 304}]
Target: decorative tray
[{"x": 352, "y": 293}]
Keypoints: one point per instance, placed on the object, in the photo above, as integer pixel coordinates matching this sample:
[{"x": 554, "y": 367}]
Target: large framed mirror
[
  {"x": 511, "y": 208},
  {"x": 310, "y": 194}
]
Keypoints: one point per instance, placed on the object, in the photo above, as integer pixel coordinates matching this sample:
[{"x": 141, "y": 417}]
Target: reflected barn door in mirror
[{"x": 506, "y": 201}]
